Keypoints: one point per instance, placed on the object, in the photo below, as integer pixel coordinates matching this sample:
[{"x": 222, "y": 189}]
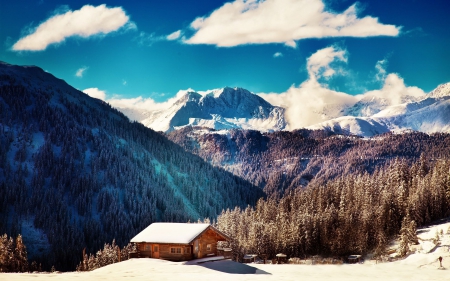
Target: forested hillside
[
  {"x": 75, "y": 173},
  {"x": 282, "y": 161},
  {"x": 353, "y": 214}
]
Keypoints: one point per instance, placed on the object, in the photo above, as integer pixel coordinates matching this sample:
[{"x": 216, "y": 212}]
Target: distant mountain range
[{"x": 237, "y": 108}]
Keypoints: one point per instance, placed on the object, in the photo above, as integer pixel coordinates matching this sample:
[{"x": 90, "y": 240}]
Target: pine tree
[
  {"x": 403, "y": 247},
  {"x": 20, "y": 255}
]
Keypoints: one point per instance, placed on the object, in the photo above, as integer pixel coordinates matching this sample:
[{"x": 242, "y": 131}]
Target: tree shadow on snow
[{"x": 232, "y": 267}]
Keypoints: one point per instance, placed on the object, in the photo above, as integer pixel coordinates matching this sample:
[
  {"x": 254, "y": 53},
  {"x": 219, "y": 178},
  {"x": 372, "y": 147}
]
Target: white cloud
[
  {"x": 394, "y": 90},
  {"x": 277, "y": 54},
  {"x": 174, "y": 36},
  {"x": 319, "y": 63},
  {"x": 86, "y": 22},
  {"x": 134, "y": 108},
  {"x": 124, "y": 82},
  {"x": 381, "y": 70},
  {"x": 312, "y": 102},
  {"x": 282, "y": 21},
  {"x": 141, "y": 103},
  {"x": 81, "y": 71},
  {"x": 95, "y": 93},
  {"x": 147, "y": 39},
  {"x": 291, "y": 43}
]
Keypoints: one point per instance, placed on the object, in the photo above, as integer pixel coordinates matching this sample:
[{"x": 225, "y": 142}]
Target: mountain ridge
[
  {"x": 369, "y": 114},
  {"x": 218, "y": 109}
]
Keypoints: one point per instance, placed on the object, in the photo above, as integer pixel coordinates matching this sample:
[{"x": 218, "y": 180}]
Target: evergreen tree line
[
  {"x": 108, "y": 255},
  {"x": 13, "y": 255},
  {"x": 354, "y": 214}
]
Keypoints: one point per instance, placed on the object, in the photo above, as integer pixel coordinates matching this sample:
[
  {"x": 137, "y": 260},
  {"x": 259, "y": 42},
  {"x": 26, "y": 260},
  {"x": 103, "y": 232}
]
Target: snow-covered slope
[
  {"x": 442, "y": 90},
  {"x": 371, "y": 104},
  {"x": 429, "y": 114},
  {"x": 346, "y": 125},
  {"x": 422, "y": 265},
  {"x": 225, "y": 108}
]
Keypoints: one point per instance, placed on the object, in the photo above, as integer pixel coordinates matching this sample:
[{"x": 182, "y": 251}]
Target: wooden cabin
[{"x": 178, "y": 241}]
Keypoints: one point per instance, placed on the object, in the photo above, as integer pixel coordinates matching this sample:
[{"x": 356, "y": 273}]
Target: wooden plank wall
[{"x": 209, "y": 237}]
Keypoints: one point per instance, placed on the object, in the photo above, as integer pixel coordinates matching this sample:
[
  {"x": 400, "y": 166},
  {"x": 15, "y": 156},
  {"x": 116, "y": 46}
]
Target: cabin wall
[
  {"x": 208, "y": 237},
  {"x": 144, "y": 250},
  {"x": 180, "y": 252}
]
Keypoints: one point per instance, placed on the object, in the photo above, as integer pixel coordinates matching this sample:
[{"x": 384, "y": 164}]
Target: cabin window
[
  {"x": 187, "y": 250},
  {"x": 147, "y": 247},
  {"x": 208, "y": 247},
  {"x": 175, "y": 250}
]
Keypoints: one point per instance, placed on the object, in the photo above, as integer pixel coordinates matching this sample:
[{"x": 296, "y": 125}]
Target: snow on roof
[{"x": 174, "y": 233}]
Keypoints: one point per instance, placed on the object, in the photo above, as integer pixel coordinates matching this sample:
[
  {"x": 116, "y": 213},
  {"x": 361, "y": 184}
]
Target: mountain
[
  {"x": 393, "y": 108},
  {"x": 76, "y": 173},
  {"x": 283, "y": 161},
  {"x": 441, "y": 91},
  {"x": 349, "y": 125},
  {"x": 226, "y": 108},
  {"x": 429, "y": 114}
]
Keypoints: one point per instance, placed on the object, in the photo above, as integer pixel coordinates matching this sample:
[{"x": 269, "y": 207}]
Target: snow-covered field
[{"x": 422, "y": 265}]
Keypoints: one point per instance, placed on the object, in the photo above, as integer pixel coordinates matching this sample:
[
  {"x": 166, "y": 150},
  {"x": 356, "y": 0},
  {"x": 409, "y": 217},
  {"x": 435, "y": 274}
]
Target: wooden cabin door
[{"x": 155, "y": 251}]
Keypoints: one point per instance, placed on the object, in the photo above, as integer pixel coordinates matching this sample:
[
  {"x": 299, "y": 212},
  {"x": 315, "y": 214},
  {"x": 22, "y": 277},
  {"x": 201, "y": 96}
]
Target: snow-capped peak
[
  {"x": 442, "y": 90},
  {"x": 225, "y": 108}
]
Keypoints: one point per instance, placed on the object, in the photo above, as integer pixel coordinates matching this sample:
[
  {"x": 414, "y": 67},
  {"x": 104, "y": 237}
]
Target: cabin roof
[{"x": 172, "y": 233}]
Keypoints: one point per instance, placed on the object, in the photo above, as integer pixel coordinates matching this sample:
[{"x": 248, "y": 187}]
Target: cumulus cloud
[
  {"x": 95, "y": 93},
  {"x": 134, "y": 108},
  {"x": 394, "y": 91},
  {"x": 81, "y": 71},
  {"x": 282, "y": 21},
  {"x": 174, "y": 36},
  {"x": 86, "y": 22},
  {"x": 319, "y": 63},
  {"x": 277, "y": 54},
  {"x": 313, "y": 102}
]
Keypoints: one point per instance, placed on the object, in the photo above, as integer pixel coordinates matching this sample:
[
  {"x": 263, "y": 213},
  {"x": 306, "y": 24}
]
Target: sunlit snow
[{"x": 422, "y": 265}]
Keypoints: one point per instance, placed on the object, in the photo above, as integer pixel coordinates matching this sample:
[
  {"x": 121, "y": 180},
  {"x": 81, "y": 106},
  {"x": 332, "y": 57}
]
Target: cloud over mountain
[{"x": 313, "y": 102}]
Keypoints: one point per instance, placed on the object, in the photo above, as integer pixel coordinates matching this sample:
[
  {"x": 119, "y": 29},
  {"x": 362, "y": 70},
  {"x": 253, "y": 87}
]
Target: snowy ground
[{"x": 422, "y": 265}]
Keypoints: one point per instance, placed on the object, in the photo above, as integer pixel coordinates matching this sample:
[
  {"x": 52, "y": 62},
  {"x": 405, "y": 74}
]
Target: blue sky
[{"x": 153, "y": 49}]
